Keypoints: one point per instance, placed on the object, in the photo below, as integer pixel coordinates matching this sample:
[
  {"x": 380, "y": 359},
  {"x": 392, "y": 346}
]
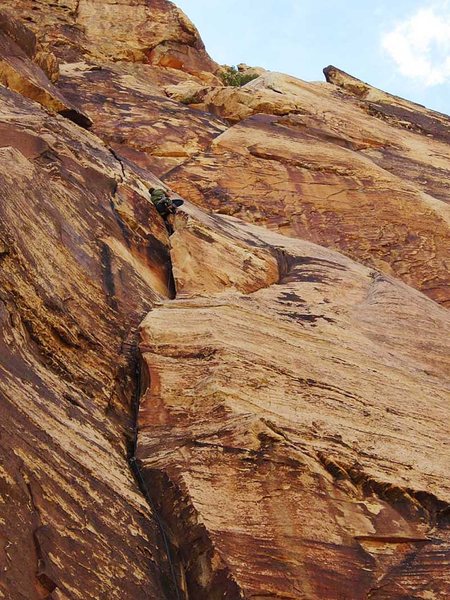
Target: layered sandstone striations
[
  {"x": 134, "y": 115},
  {"x": 116, "y": 59},
  {"x": 147, "y": 31},
  {"x": 294, "y": 428},
  {"x": 27, "y": 68},
  {"x": 292, "y": 435},
  {"x": 360, "y": 172},
  {"x": 83, "y": 256}
]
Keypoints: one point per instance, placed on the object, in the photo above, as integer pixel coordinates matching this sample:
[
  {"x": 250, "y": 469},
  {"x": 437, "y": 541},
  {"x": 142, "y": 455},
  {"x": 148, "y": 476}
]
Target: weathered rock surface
[
  {"x": 295, "y": 437},
  {"x": 150, "y": 31},
  {"x": 28, "y": 43},
  {"x": 134, "y": 115},
  {"x": 83, "y": 256},
  {"x": 367, "y": 177},
  {"x": 20, "y": 70},
  {"x": 116, "y": 60}
]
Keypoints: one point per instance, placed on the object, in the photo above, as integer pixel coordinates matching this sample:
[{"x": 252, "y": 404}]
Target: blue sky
[{"x": 401, "y": 46}]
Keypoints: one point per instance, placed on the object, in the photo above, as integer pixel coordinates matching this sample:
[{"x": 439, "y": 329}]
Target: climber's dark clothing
[
  {"x": 157, "y": 194},
  {"x": 162, "y": 202},
  {"x": 165, "y": 206}
]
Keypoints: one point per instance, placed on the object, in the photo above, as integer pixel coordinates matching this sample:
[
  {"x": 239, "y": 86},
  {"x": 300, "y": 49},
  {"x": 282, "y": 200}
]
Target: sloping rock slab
[
  {"x": 83, "y": 256},
  {"x": 19, "y": 73},
  {"x": 296, "y": 437},
  {"x": 330, "y": 171},
  {"x": 133, "y": 114}
]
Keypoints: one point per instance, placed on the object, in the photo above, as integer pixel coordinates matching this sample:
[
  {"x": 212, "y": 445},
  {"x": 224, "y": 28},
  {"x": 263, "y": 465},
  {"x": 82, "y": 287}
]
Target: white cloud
[{"x": 420, "y": 45}]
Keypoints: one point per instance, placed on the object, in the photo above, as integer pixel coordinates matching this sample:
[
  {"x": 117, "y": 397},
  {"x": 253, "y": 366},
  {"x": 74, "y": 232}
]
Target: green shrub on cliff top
[{"x": 232, "y": 76}]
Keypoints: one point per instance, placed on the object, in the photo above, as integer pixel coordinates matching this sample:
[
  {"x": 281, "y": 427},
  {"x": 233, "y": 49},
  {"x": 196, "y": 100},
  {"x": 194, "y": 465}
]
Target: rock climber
[{"x": 165, "y": 205}]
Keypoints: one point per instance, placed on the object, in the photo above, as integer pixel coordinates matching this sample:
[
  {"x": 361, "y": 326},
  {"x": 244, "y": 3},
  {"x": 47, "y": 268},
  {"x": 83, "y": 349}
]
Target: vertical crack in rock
[
  {"x": 169, "y": 570},
  {"x": 120, "y": 161},
  {"x": 203, "y": 573},
  {"x": 191, "y": 565},
  {"x": 196, "y": 568},
  {"x": 170, "y": 574}
]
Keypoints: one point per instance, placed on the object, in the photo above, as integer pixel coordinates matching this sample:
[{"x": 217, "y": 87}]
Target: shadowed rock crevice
[
  {"x": 170, "y": 570},
  {"x": 189, "y": 565},
  {"x": 192, "y": 569},
  {"x": 412, "y": 504},
  {"x": 203, "y": 574},
  {"x": 76, "y": 117}
]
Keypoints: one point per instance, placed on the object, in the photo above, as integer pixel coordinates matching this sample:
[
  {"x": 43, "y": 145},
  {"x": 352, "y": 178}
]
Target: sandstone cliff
[
  {"x": 227, "y": 412},
  {"x": 360, "y": 172},
  {"x": 285, "y": 427}
]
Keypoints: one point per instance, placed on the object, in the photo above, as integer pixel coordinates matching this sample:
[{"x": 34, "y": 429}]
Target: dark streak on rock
[
  {"x": 49, "y": 358},
  {"x": 201, "y": 571},
  {"x": 44, "y": 583},
  {"x": 108, "y": 277},
  {"x": 413, "y": 504},
  {"x": 119, "y": 221},
  {"x": 290, "y": 297},
  {"x": 170, "y": 575},
  {"x": 204, "y": 236},
  {"x": 310, "y": 260},
  {"x": 304, "y": 318},
  {"x": 413, "y": 120}
]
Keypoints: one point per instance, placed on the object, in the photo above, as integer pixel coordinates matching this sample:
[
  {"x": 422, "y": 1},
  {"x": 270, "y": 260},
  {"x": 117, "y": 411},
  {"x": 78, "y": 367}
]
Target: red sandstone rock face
[
  {"x": 364, "y": 177},
  {"x": 20, "y": 70},
  {"x": 286, "y": 431},
  {"x": 116, "y": 60},
  {"x": 29, "y": 44},
  {"x": 152, "y": 31},
  {"x": 131, "y": 112},
  {"x": 83, "y": 255},
  {"x": 293, "y": 426}
]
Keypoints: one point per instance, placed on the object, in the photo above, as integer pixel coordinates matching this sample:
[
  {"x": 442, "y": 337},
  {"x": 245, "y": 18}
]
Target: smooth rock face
[
  {"x": 296, "y": 437},
  {"x": 367, "y": 177},
  {"x": 240, "y": 268},
  {"x": 83, "y": 256}
]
